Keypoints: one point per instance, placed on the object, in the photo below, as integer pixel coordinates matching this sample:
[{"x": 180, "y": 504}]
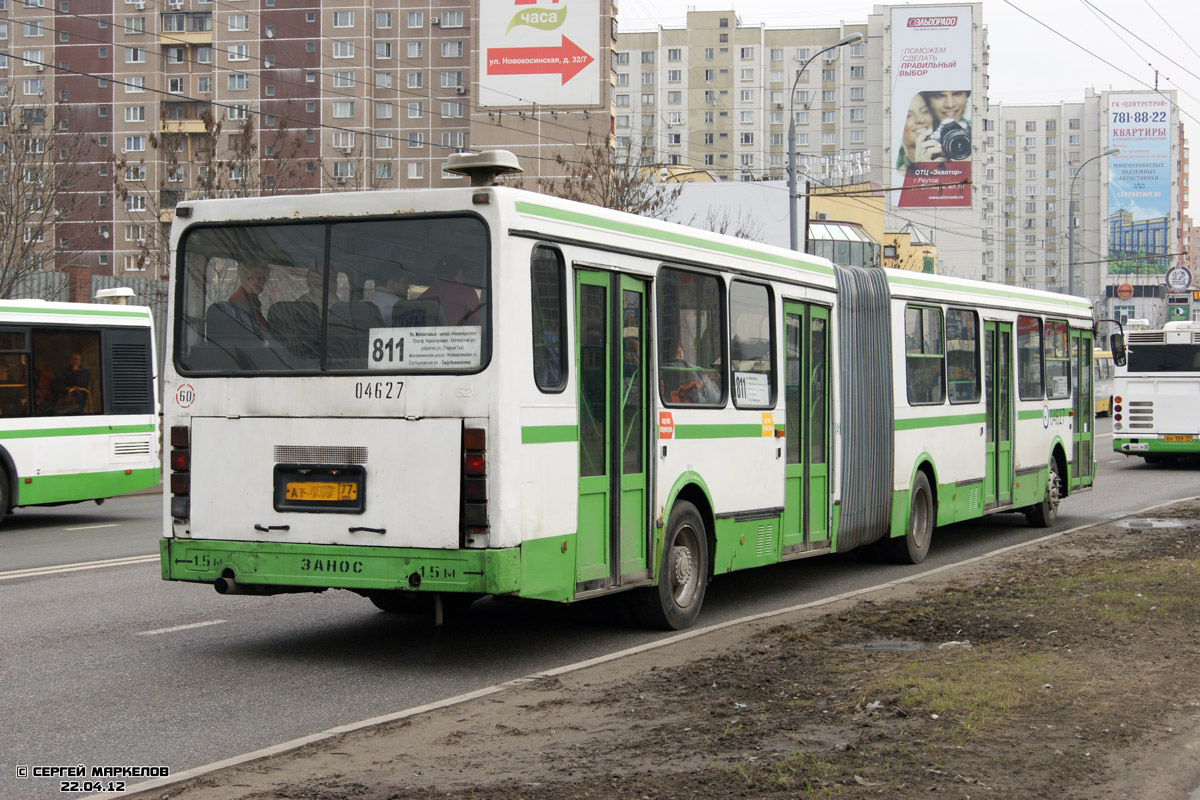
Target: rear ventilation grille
[
  {"x": 294, "y": 454},
  {"x": 765, "y": 544},
  {"x": 131, "y": 448}
]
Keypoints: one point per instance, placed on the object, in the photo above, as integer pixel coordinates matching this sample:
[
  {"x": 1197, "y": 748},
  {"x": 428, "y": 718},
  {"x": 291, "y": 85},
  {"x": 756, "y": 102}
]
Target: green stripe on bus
[
  {"x": 987, "y": 290},
  {"x": 548, "y": 434},
  {"x": 83, "y": 486},
  {"x": 97, "y": 311},
  {"x": 939, "y": 422},
  {"x": 99, "y": 430},
  {"x": 619, "y": 226},
  {"x": 719, "y": 431}
]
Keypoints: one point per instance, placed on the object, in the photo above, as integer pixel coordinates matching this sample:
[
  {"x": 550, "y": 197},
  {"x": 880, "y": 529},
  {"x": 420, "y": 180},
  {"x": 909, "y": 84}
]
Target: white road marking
[
  {"x": 35, "y": 572},
  {"x": 182, "y": 627},
  {"x": 92, "y": 527}
]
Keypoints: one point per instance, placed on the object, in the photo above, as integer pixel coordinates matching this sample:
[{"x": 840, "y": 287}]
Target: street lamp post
[
  {"x": 793, "y": 211},
  {"x": 1112, "y": 151}
]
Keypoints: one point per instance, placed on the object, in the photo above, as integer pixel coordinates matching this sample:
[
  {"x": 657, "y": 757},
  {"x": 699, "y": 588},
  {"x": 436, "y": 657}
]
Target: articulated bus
[
  {"x": 1156, "y": 397},
  {"x": 78, "y": 406},
  {"x": 429, "y": 396}
]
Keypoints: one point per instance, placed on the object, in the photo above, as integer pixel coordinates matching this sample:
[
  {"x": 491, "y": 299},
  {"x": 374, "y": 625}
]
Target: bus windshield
[
  {"x": 398, "y": 295},
  {"x": 1148, "y": 358}
]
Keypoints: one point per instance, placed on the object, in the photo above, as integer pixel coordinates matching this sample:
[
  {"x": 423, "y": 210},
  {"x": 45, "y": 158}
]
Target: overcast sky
[{"x": 1030, "y": 63}]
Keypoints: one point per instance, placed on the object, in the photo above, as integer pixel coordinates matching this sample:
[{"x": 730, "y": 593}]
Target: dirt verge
[{"x": 1065, "y": 670}]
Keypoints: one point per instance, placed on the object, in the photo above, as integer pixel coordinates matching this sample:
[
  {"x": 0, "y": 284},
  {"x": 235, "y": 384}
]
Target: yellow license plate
[
  {"x": 1177, "y": 438},
  {"x": 314, "y": 491}
]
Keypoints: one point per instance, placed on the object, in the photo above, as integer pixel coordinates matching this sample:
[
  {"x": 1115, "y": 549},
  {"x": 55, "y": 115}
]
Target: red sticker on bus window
[{"x": 666, "y": 425}]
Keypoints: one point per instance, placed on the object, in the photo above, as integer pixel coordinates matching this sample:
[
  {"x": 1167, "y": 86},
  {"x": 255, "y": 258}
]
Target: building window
[
  {"x": 416, "y": 170},
  {"x": 135, "y": 55},
  {"x": 343, "y": 49},
  {"x": 452, "y": 49},
  {"x": 342, "y": 19},
  {"x": 416, "y": 19},
  {"x": 343, "y": 109},
  {"x": 239, "y": 22},
  {"x": 239, "y": 52},
  {"x": 239, "y": 82},
  {"x": 452, "y": 19}
]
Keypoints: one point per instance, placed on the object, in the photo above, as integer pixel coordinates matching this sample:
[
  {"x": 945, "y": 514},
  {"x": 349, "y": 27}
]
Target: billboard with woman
[{"x": 931, "y": 105}]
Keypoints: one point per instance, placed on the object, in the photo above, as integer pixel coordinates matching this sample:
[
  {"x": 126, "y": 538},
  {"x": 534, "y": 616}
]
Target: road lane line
[
  {"x": 35, "y": 572},
  {"x": 182, "y": 627},
  {"x": 92, "y": 527},
  {"x": 330, "y": 733}
]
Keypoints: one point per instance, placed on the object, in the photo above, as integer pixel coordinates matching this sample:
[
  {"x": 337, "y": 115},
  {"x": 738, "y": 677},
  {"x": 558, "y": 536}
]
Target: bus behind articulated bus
[
  {"x": 1156, "y": 394},
  {"x": 78, "y": 406}
]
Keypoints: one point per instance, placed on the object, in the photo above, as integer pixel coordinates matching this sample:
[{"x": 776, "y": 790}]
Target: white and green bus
[
  {"x": 435, "y": 395},
  {"x": 1156, "y": 394},
  {"x": 78, "y": 406}
]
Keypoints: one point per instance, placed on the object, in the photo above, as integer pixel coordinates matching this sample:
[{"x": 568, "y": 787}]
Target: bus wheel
[
  {"x": 1043, "y": 514},
  {"x": 675, "y": 602},
  {"x": 914, "y": 545}
]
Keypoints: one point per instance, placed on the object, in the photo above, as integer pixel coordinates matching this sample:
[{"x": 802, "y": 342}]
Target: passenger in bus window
[
  {"x": 460, "y": 301},
  {"x": 391, "y": 284},
  {"x": 73, "y": 386},
  {"x": 252, "y": 279}
]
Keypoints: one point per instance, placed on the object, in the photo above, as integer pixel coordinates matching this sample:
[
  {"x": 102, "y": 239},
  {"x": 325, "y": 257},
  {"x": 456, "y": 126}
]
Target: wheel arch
[
  {"x": 690, "y": 487},
  {"x": 10, "y": 477},
  {"x": 922, "y": 463}
]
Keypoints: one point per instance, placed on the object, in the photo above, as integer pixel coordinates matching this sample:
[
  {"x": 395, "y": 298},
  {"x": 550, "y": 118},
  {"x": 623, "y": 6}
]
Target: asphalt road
[{"x": 113, "y": 666}]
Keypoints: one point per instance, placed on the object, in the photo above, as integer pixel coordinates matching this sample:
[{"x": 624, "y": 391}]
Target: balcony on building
[
  {"x": 186, "y": 27},
  {"x": 183, "y": 115}
]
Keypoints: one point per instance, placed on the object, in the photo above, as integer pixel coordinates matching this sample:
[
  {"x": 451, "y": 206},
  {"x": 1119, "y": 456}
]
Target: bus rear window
[
  {"x": 394, "y": 295},
  {"x": 1164, "y": 358}
]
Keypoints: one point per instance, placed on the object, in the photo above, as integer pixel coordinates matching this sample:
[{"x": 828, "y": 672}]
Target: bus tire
[
  {"x": 913, "y": 546},
  {"x": 675, "y": 602},
  {"x": 1044, "y": 513}
]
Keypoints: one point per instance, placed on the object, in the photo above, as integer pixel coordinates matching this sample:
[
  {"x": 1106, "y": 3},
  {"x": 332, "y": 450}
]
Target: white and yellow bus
[
  {"x": 78, "y": 406},
  {"x": 444, "y": 394},
  {"x": 1104, "y": 372}
]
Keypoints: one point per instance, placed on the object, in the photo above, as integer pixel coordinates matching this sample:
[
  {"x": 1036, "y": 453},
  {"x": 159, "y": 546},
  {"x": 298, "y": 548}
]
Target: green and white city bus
[
  {"x": 444, "y": 394},
  {"x": 78, "y": 407},
  {"x": 1156, "y": 394}
]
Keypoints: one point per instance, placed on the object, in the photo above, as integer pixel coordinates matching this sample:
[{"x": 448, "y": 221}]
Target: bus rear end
[
  {"x": 327, "y": 401},
  {"x": 1156, "y": 394}
]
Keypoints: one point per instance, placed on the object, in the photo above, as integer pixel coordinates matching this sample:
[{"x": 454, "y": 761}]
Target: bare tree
[
  {"x": 47, "y": 198},
  {"x": 227, "y": 164},
  {"x": 722, "y": 220},
  {"x": 618, "y": 177}
]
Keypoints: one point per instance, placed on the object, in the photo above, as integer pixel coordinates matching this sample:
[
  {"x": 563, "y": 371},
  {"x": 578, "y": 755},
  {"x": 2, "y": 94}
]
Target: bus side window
[{"x": 547, "y": 300}]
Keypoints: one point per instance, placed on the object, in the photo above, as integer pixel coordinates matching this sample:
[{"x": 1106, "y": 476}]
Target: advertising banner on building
[
  {"x": 539, "y": 52},
  {"x": 1139, "y": 183},
  {"x": 932, "y": 136}
]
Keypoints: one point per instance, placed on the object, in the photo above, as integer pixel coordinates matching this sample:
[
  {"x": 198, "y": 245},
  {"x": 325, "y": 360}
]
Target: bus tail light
[
  {"x": 181, "y": 471},
  {"x": 473, "y": 513}
]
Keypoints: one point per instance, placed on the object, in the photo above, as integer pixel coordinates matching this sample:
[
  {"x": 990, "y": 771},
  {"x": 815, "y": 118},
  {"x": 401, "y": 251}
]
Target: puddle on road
[{"x": 1147, "y": 523}]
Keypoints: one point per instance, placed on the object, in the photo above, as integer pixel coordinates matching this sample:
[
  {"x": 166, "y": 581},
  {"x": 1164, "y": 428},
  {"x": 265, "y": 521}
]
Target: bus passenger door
[
  {"x": 612, "y": 539},
  {"x": 997, "y": 375},
  {"x": 1085, "y": 409},
  {"x": 806, "y": 403}
]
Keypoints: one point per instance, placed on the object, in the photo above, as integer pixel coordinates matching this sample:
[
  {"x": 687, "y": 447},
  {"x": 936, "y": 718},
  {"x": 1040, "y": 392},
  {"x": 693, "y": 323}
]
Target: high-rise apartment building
[
  {"x": 154, "y": 103},
  {"x": 715, "y": 95}
]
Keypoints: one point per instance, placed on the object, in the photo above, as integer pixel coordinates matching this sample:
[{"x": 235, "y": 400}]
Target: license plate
[
  {"x": 322, "y": 492},
  {"x": 320, "y": 488},
  {"x": 1177, "y": 438}
]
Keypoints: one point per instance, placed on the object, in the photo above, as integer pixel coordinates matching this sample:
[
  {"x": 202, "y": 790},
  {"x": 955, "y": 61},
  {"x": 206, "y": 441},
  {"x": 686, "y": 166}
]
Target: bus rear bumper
[
  {"x": 1185, "y": 445},
  {"x": 316, "y": 567}
]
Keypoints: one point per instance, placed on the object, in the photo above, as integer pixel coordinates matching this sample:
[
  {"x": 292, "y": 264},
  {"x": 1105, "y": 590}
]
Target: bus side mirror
[{"x": 1116, "y": 344}]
